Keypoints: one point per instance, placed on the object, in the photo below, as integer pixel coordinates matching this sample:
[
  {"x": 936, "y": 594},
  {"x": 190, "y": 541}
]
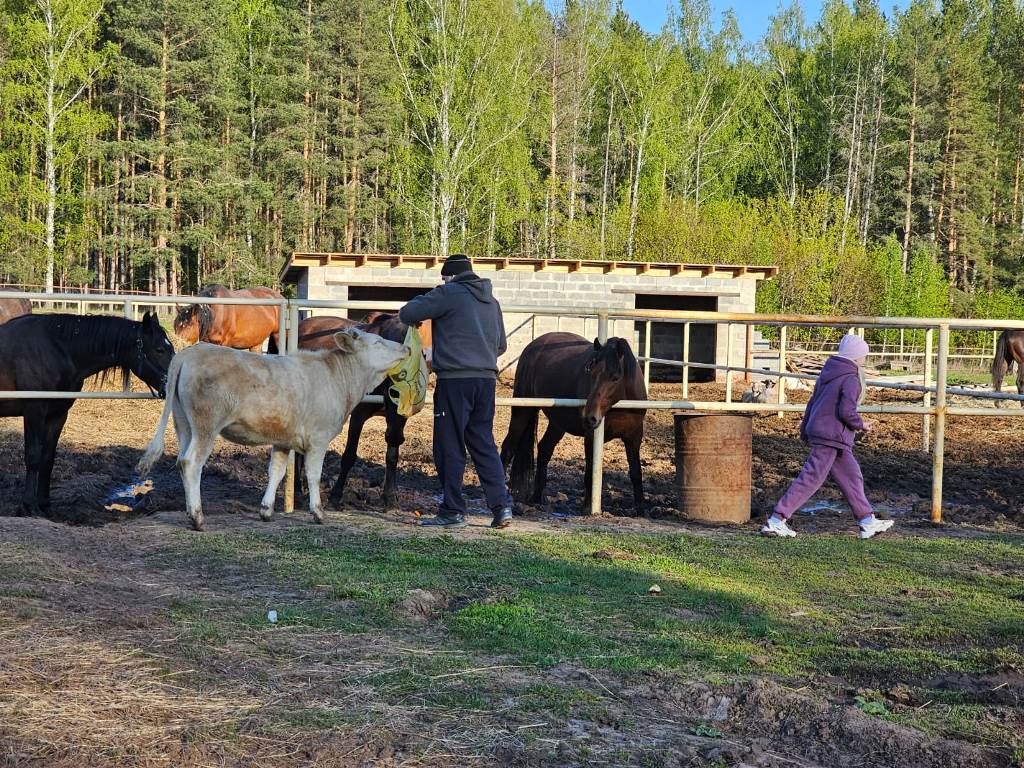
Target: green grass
[
  {"x": 907, "y": 607},
  {"x": 902, "y": 610}
]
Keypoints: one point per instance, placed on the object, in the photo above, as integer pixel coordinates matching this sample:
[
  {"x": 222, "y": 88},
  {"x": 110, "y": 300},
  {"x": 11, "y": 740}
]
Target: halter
[{"x": 141, "y": 362}]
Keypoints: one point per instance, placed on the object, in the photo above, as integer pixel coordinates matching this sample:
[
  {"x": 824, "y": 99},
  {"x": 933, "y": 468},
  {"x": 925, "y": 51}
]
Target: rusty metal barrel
[{"x": 713, "y": 466}]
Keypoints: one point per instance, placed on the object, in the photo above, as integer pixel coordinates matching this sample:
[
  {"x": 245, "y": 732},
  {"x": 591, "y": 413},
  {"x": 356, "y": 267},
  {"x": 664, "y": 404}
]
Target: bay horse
[
  {"x": 567, "y": 365},
  {"x": 229, "y": 325},
  {"x": 12, "y": 308},
  {"x": 318, "y": 333},
  {"x": 58, "y": 353},
  {"x": 1009, "y": 350}
]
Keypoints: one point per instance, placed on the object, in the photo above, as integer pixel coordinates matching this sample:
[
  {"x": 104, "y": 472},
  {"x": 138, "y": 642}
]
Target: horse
[
  {"x": 58, "y": 353},
  {"x": 237, "y": 326},
  {"x": 318, "y": 333},
  {"x": 1009, "y": 350},
  {"x": 12, "y": 308},
  {"x": 567, "y": 365}
]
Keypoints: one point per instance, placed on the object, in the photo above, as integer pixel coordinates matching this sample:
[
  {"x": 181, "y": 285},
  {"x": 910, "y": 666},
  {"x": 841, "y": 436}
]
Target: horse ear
[
  {"x": 149, "y": 322},
  {"x": 597, "y": 345}
]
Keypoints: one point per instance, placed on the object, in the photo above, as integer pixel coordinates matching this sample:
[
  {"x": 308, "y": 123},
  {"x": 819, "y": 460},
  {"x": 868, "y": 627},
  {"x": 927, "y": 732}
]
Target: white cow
[{"x": 296, "y": 402}]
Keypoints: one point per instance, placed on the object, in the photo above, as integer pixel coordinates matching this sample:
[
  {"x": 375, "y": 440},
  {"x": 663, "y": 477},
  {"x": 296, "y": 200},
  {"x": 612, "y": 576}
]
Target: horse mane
[{"x": 98, "y": 335}]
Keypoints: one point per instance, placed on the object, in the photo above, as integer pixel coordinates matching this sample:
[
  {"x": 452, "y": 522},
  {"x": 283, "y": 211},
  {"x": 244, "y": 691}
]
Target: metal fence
[{"x": 934, "y": 413}]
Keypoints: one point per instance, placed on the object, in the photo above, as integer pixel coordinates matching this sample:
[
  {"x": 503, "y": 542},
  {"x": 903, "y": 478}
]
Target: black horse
[
  {"x": 567, "y": 365},
  {"x": 1009, "y": 351},
  {"x": 57, "y": 353}
]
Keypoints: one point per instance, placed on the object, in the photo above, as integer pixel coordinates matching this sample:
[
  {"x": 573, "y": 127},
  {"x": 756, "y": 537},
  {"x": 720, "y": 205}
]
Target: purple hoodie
[{"x": 831, "y": 416}]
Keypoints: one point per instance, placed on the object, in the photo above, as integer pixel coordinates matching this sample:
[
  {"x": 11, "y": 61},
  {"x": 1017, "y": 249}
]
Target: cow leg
[
  {"x": 545, "y": 449},
  {"x": 54, "y": 425},
  {"x": 359, "y": 417},
  {"x": 191, "y": 468},
  {"x": 314, "y": 467},
  {"x": 394, "y": 436},
  {"x": 636, "y": 476},
  {"x": 277, "y": 470},
  {"x": 34, "y": 424}
]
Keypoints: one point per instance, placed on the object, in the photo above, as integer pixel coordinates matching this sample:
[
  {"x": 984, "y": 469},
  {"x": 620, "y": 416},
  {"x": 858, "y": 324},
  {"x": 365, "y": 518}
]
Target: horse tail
[
  {"x": 155, "y": 449},
  {"x": 1001, "y": 365},
  {"x": 272, "y": 348},
  {"x": 523, "y": 421}
]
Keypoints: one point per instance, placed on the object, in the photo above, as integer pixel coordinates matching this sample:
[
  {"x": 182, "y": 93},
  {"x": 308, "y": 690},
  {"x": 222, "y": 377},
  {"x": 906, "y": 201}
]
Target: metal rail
[{"x": 288, "y": 330}]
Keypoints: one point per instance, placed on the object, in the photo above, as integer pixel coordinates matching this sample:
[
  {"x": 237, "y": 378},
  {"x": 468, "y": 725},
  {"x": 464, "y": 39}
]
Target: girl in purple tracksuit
[{"x": 829, "y": 423}]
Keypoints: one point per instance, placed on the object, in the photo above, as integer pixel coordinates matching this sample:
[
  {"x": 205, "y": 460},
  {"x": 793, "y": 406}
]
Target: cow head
[
  {"x": 373, "y": 352},
  {"x": 612, "y": 367}
]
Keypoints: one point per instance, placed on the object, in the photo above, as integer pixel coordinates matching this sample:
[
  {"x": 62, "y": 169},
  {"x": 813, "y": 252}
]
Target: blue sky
[{"x": 752, "y": 15}]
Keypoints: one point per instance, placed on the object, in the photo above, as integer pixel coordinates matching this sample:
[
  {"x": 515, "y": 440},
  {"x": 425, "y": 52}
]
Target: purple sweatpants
[{"x": 845, "y": 472}]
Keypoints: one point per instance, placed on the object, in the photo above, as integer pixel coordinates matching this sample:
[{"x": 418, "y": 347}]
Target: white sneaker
[
  {"x": 875, "y": 526},
  {"x": 776, "y": 526}
]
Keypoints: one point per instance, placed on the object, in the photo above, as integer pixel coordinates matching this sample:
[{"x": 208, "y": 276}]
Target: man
[{"x": 468, "y": 338}]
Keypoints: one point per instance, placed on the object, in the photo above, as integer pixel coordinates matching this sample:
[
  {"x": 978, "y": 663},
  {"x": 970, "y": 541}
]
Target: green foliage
[{"x": 876, "y": 160}]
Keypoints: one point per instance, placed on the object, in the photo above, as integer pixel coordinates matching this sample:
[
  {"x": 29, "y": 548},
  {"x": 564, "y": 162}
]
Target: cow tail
[{"x": 155, "y": 449}]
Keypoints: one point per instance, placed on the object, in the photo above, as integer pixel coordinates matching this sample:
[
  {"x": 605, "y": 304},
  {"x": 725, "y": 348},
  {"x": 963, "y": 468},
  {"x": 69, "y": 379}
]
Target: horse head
[
  {"x": 152, "y": 354},
  {"x": 612, "y": 368},
  {"x": 193, "y": 322}
]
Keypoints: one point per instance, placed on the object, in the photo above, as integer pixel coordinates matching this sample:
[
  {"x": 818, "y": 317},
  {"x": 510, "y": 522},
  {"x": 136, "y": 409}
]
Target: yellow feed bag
[{"x": 408, "y": 388}]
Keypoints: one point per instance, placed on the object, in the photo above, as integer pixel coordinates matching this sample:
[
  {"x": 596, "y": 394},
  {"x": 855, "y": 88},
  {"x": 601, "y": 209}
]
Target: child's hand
[{"x": 869, "y": 425}]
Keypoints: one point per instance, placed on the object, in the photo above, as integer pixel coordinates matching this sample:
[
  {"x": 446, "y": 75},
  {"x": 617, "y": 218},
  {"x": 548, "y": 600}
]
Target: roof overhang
[{"x": 301, "y": 259}]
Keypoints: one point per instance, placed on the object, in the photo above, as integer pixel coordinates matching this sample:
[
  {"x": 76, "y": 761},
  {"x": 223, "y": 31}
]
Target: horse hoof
[
  {"x": 265, "y": 513},
  {"x": 197, "y": 522}
]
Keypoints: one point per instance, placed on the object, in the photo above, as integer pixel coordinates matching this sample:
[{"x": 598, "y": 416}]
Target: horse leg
[
  {"x": 545, "y": 449},
  {"x": 275, "y": 473},
  {"x": 34, "y": 420},
  {"x": 54, "y": 425},
  {"x": 517, "y": 451},
  {"x": 191, "y": 467},
  {"x": 394, "y": 436},
  {"x": 356, "y": 421},
  {"x": 1020, "y": 383},
  {"x": 636, "y": 476},
  {"x": 314, "y": 467}
]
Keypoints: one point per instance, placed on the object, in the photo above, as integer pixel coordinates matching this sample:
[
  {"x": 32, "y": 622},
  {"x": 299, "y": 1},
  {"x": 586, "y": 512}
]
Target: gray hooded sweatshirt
[{"x": 468, "y": 331}]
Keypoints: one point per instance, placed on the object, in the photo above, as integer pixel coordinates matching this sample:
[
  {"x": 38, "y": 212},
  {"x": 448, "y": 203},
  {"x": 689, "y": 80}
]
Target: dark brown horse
[
  {"x": 567, "y": 365},
  {"x": 1009, "y": 350},
  {"x": 230, "y": 325},
  {"x": 12, "y": 308},
  {"x": 318, "y": 333},
  {"x": 57, "y": 353}
]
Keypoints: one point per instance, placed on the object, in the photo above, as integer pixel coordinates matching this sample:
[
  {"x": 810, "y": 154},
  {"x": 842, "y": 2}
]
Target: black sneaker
[
  {"x": 502, "y": 518},
  {"x": 446, "y": 521}
]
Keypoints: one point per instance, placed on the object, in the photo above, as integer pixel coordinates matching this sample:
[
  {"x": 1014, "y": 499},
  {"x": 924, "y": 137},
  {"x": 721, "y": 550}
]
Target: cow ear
[{"x": 346, "y": 341}]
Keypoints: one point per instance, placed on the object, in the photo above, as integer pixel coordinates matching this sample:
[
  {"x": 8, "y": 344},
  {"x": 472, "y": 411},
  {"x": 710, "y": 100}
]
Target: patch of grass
[
  {"x": 309, "y": 718},
  {"x": 879, "y": 612}
]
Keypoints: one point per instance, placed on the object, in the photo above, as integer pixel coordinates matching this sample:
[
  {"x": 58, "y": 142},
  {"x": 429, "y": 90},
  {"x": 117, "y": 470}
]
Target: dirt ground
[
  {"x": 983, "y": 471},
  {"x": 110, "y": 587}
]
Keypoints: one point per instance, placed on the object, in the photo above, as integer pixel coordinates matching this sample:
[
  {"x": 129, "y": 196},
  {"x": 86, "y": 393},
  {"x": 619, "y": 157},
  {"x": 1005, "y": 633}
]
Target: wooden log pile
[{"x": 810, "y": 364}]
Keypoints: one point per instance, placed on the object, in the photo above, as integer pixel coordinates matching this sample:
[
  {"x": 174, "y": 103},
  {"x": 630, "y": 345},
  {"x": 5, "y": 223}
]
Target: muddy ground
[
  {"x": 984, "y": 474},
  {"x": 109, "y": 590}
]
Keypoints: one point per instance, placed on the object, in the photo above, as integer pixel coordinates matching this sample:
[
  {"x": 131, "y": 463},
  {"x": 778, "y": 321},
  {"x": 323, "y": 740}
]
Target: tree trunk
[
  {"x": 51, "y": 129},
  {"x": 604, "y": 184},
  {"x": 159, "y": 268},
  {"x": 634, "y": 195},
  {"x": 553, "y": 150},
  {"x": 908, "y": 206},
  {"x": 307, "y": 139}
]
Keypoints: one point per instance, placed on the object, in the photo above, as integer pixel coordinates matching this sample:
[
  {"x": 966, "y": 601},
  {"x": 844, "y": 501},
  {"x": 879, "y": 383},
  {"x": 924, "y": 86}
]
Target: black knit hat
[{"x": 456, "y": 264}]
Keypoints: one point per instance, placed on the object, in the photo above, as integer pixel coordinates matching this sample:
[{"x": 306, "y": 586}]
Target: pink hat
[{"x": 853, "y": 347}]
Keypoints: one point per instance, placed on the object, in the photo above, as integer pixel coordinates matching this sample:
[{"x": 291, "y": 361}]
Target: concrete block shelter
[{"x": 557, "y": 283}]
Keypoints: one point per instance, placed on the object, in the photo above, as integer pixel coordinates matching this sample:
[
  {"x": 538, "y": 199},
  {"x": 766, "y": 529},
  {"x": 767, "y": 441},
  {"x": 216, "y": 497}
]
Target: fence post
[
  {"x": 781, "y": 385},
  {"x": 748, "y": 357},
  {"x": 902, "y": 358},
  {"x": 597, "y": 460},
  {"x": 686, "y": 359},
  {"x": 282, "y": 328},
  {"x": 940, "y": 424},
  {"x": 926, "y": 420},
  {"x": 126, "y": 377},
  {"x": 728, "y": 362},
  {"x": 292, "y": 348},
  {"x": 647, "y": 355}
]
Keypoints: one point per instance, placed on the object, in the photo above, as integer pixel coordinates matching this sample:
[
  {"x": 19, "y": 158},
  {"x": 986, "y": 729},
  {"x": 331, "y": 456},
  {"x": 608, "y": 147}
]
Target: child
[{"x": 829, "y": 423}]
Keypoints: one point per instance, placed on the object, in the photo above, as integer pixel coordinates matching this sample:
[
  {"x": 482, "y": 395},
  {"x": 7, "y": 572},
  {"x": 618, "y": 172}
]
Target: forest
[{"x": 874, "y": 155}]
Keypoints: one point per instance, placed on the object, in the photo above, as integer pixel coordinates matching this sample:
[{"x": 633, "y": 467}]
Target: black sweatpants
[{"x": 464, "y": 418}]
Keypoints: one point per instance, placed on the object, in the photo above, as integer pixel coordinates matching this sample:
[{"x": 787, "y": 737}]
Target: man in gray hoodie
[{"x": 468, "y": 337}]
